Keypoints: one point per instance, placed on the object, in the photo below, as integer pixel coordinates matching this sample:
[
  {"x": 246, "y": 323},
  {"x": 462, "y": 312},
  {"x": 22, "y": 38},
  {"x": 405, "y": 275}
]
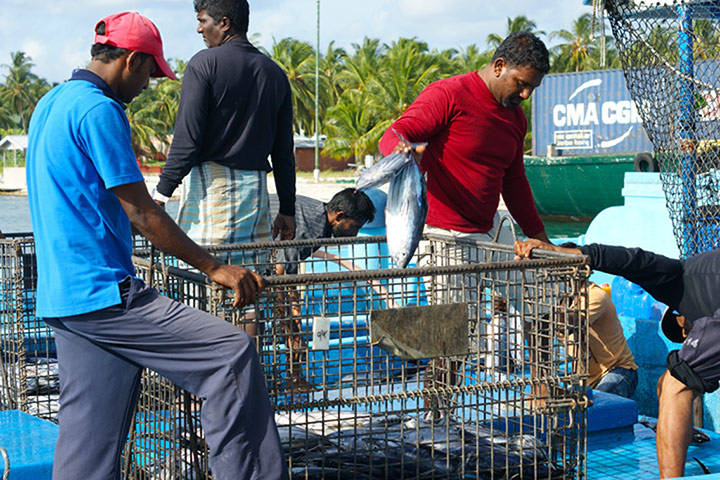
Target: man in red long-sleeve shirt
[{"x": 475, "y": 129}]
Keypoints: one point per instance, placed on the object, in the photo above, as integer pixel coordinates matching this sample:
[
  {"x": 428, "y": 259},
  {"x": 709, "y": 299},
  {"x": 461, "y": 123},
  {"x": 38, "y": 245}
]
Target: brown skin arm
[
  {"x": 524, "y": 248},
  {"x": 674, "y": 427},
  {"x": 152, "y": 222}
]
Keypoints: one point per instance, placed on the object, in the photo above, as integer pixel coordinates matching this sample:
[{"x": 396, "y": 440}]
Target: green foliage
[
  {"x": 20, "y": 93},
  {"x": 152, "y": 116}
]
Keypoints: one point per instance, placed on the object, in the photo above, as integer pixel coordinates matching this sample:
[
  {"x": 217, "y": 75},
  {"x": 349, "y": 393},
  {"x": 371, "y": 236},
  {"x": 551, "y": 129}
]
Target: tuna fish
[
  {"x": 383, "y": 171},
  {"x": 405, "y": 213},
  {"x": 386, "y": 169}
]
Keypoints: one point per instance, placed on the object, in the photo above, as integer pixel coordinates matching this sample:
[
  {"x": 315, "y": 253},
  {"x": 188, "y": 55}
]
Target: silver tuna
[
  {"x": 383, "y": 171},
  {"x": 405, "y": 213}
]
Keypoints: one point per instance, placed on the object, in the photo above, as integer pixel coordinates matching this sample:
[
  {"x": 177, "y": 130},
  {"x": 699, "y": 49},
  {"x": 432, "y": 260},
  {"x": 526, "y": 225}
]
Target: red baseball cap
[{"x": 132, "y": 31}]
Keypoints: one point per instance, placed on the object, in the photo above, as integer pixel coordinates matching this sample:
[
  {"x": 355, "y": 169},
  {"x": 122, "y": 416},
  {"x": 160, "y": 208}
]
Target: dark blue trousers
[{"x": 101, "y": 356}]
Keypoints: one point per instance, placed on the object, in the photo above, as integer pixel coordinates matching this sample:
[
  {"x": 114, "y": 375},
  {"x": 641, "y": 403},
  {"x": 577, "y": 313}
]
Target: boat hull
[{"x": 578, "y": 186}]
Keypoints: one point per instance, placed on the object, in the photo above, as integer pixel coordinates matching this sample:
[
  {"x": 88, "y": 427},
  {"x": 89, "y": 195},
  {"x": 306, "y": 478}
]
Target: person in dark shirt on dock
[
  {"x": 690, "y": 290},
  {"x": 343, "y": 216},
  {"x": 235, "y": 110}
]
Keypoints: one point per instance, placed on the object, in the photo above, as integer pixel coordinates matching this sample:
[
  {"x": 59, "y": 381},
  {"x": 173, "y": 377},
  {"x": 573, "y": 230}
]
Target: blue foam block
[
  {"x": 610, "y": 411},
  {"x": 30, "y": 444}
]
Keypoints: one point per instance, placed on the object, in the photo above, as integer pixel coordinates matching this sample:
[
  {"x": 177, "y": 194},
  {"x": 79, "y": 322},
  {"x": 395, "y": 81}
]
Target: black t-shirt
[{"x": 235, "y": 109}]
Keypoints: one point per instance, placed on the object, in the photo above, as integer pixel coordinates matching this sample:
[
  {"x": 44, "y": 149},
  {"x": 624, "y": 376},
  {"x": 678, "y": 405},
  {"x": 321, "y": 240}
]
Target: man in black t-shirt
[{"x": 235, "y": 112}]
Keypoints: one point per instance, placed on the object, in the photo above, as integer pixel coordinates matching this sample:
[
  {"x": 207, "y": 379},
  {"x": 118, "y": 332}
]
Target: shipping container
[{"x": 586, "y": 113}]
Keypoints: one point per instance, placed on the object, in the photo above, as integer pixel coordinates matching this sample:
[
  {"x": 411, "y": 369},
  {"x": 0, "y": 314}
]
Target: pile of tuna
[{"x": 405, "y": 446}]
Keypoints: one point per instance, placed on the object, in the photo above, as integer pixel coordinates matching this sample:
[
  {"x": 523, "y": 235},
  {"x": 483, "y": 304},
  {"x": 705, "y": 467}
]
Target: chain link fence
[{"x": 670, "y": 51}]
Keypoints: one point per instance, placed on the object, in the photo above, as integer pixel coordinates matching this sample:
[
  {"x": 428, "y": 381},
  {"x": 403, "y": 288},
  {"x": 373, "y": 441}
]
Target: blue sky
[{"x": 57, "y": 34}]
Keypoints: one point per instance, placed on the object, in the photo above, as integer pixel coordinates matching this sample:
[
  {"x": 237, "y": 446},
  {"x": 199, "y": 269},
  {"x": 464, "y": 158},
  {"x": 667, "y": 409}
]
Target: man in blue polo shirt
[{"x": 85, "y": 190}]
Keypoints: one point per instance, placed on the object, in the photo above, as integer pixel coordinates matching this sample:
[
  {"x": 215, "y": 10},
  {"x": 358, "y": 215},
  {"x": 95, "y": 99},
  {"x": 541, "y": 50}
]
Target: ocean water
[{"x": 15, "y": 213}]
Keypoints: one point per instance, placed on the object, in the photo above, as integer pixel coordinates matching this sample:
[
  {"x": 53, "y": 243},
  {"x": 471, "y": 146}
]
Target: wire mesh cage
[
  {"x": 669, "y": 51},
  {"x": 28, "y": 364},
  {"x": 466, "y": 366}
]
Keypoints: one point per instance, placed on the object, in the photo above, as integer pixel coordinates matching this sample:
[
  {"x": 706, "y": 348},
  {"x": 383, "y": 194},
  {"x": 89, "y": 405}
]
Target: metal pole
[
  {"x": 692, "y": 238},
  {"x": 686, "y": 126},
  {"x": 316, "y": 172}
]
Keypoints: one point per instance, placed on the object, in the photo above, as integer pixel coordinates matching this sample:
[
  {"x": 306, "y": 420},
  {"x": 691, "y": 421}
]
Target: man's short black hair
[
  {"x": 237, "y": 11},
  {"x": 353, "y": 204},
  {"x": 524, "y": 49}
]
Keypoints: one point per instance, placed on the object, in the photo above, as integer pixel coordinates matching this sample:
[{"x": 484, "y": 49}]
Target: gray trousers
[{"x": 101, "y": 356}]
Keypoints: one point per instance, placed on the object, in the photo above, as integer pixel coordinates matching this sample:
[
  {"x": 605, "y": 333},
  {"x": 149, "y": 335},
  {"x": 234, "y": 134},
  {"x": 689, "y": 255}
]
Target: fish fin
[
  {"x": 699, "y": 436},
  {"x": 705, "y": 470}
]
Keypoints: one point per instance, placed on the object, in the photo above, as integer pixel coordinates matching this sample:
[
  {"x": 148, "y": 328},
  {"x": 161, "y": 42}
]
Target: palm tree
[
  {"x": 579, "y": 50},
  {"x": 297, "y": 59},
  {"x": 471, "y": 59},
  {"x": 406, "y": 69},
  {"x": 514, "y": 25},
  {"x": 167, "y": 98},
  {"x": 379, "y": 83},
  {"x": 22, "y": 90},
  {"x": 352, "y": 126},
  {"x": 705, "y": 39},
  {"x": 331, "y": 65},
  {"x": 361, "y": 66},
  {"x": 145, "y": 123}
]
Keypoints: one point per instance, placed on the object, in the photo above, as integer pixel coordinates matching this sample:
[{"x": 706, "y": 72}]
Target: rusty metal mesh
[
  {"x": 28, "y": 365},
  {"x": 511, "y": 405}
]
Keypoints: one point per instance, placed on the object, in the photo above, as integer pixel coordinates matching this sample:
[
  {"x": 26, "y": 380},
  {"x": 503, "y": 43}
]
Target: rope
[{"x": 6, "y": 462}]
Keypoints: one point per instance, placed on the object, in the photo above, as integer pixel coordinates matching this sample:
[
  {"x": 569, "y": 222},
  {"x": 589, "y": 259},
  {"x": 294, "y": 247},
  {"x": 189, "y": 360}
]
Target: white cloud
[{"x": 35, "y": 50}]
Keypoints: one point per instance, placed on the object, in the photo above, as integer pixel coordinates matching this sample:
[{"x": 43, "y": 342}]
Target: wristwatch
[{"x": 157, "y": 196}]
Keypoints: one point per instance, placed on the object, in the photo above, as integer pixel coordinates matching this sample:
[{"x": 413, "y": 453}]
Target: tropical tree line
[{"x": 361, "y": 90}]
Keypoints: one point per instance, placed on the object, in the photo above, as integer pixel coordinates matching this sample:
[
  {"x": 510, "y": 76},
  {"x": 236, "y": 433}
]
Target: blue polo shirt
[{"x": 78, "y": 150}]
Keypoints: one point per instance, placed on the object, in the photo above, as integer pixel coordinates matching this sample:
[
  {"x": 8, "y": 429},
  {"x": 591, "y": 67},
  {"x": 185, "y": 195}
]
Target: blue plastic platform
[
  {"x": 30, "y": 444},
  {"x": 610, "y": 458}
]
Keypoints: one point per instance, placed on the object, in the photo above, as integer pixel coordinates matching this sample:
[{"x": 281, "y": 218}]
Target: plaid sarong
[{"x": 221, "y": 205}]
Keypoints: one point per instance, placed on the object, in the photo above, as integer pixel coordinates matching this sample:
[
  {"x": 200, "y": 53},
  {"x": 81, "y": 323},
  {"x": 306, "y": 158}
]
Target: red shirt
[{"x": 474, "y": 153}]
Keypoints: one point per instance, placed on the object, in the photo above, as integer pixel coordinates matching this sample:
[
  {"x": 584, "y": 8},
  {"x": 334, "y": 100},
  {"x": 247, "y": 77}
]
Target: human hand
[
  {"x": 285, "y": 226},
  {"x": 524, "y": 248},
  {"x": 160, "y": 204},
  {"x": 246, "y": 283},
  {"x": 404, "y": 147}
]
